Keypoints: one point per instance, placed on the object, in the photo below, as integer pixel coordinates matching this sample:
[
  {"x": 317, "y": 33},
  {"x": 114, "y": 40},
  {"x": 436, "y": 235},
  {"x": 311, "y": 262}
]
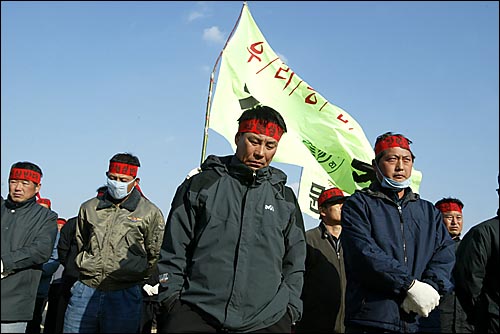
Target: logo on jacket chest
[
  {"x": 269, "y": 207},
  {"x": 134, "y": 219}
]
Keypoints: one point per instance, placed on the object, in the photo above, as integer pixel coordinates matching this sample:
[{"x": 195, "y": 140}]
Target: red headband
[
  {"x": 123, "y": 168},
  {"x": 392, "y": 141},
  {"x": 45, "y": 201},
  {"x": 330, "y": 194},
  {"x": 25, "y": 174},
  {"x": 449, "y": 206},
  {"x": 260, "y": 127}
]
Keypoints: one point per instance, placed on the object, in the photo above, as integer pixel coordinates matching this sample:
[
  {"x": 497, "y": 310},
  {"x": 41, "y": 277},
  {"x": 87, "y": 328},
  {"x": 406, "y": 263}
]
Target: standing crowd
[{"x": 233, "y": 255}]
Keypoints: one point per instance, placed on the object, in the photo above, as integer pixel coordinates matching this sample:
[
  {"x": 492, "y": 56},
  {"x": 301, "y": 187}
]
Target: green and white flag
[{"x": 322, "y": 138}]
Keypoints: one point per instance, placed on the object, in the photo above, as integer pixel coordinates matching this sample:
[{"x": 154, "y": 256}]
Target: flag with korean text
[{"x": 325, "y": 140}]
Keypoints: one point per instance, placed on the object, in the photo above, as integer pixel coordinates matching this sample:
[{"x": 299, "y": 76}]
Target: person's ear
[
  {"x": 237, "y": 138},
  {"x": 322, "y": 211}
]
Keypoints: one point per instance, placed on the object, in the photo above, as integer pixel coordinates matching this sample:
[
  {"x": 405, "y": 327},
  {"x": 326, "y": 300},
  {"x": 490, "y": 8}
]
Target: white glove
[
  {"x": 421, "y": 298},
  {"x": 1, "y": 271},
  {"x": 151, "y": 290}
]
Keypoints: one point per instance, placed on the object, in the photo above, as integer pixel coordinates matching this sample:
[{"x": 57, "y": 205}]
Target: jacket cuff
[
  {"x": 7, "y": 263},
  {"x": 294, "y": 314}
]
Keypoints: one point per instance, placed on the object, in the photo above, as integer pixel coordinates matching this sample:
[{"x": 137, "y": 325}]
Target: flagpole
[
  {"x": 300, "y": 178},
  {"x": 210, "y": 89}
]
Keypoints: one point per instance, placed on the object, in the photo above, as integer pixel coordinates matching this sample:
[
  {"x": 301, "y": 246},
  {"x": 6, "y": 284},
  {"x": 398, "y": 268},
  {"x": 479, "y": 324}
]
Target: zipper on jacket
[
  {"x": 402, "y": 233},
  {"x": 236, "y": 254},
  {"x": 105, "y": 242}
]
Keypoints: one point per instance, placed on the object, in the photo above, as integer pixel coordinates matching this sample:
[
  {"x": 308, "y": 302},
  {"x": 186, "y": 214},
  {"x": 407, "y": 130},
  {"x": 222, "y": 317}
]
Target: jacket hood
[{"x": 231, "y": 165}]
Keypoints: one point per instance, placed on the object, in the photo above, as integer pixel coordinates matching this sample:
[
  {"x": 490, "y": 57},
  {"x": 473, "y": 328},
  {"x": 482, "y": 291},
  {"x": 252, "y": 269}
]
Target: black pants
[
  {"x": 62, "y": 303},
  {"x": 33, "y": 326},
  {"x": 150, "y": 314},
  {"x": 185, "y": 318},
  {"x": 52, "y": 308},
  {"x": 366, "y": 329}
]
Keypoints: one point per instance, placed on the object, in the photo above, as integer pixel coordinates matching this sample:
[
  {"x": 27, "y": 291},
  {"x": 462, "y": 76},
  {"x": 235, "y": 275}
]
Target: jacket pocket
[{"x": 134, "y": 246}]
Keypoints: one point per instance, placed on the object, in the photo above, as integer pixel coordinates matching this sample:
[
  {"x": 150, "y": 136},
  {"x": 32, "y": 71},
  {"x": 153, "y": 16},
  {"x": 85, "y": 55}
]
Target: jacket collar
[
  {"x": 10, "y": 204},
  {"x": 324, "y": 232},
  {"x": 233, "y": 166},
  {"x": 130, "y": 203},
  {"x": 246, "y": 174},
  {"x": 376, "y": 190}
]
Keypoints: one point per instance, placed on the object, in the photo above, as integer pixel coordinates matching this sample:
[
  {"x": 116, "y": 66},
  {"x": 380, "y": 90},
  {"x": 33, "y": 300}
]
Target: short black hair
[
  {"x": 265, "y": 114},
  {"x": 388, "y": 134},
  {"x": 27, "y": 165},
  {"x": 450, "y": 200},
  {"x": 126, "y": 158}
]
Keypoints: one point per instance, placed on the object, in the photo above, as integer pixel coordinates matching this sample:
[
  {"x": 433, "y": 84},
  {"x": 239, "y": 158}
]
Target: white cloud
[
  {"x": 213, "y": 34},
  {"x": 206, "y": 69},
  {"x": 203, "y": 10},
  {"x": 282, "y": 57},
  {"x": 195, "y": 15}
]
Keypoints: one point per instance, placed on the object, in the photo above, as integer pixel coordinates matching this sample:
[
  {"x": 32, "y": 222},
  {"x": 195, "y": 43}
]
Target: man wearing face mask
[
  {"x": 119, "y": 236},
  {"x": 398, "y": 254}
]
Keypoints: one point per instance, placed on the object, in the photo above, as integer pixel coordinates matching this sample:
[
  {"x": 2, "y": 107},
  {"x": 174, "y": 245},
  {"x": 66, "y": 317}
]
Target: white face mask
[
  {"x": 117, "y": 189},
  {"x": 390, "y": 183}
]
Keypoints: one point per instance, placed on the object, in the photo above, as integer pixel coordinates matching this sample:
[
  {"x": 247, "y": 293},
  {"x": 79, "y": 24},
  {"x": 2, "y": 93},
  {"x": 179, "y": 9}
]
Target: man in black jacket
[
  {"x": 28, "y": 235},
  {"x": 325, "y": 281},
  {"x": 67, "y": 250},
  {"x": 234, "y": 246},
  {"x": 477, "y": 273},
  {"x": 449, "y": 316}
]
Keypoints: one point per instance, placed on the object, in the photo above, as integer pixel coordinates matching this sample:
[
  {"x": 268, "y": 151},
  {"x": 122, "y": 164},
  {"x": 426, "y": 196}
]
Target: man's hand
[
  {"x": 151, "y": 290},
  {"x": 1, "y": 271},
  {"x": 421, "y": 298}
]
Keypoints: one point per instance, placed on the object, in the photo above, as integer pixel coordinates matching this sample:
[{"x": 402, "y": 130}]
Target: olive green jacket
[{"x": 118, "y": 245}]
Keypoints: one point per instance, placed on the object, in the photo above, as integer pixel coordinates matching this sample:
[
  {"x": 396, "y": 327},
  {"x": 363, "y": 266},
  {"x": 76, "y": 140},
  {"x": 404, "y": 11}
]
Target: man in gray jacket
[
  {"x": 234, "y": 245},
  {"x": 28, "y": 235}
]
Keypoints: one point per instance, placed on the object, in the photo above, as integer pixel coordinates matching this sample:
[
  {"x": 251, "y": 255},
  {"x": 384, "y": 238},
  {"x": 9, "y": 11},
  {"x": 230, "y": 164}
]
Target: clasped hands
[
  {"x": 151, "y": 290},
  {"x": 421, "y": 298}
]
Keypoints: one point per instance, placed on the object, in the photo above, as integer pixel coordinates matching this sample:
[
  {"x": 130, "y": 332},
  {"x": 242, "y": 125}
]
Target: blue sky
[{"x": 81, "y": 81}]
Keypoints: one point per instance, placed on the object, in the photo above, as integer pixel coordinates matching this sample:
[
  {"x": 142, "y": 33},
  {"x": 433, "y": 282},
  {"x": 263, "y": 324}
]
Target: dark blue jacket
[{"x": 386, "y": 246}]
